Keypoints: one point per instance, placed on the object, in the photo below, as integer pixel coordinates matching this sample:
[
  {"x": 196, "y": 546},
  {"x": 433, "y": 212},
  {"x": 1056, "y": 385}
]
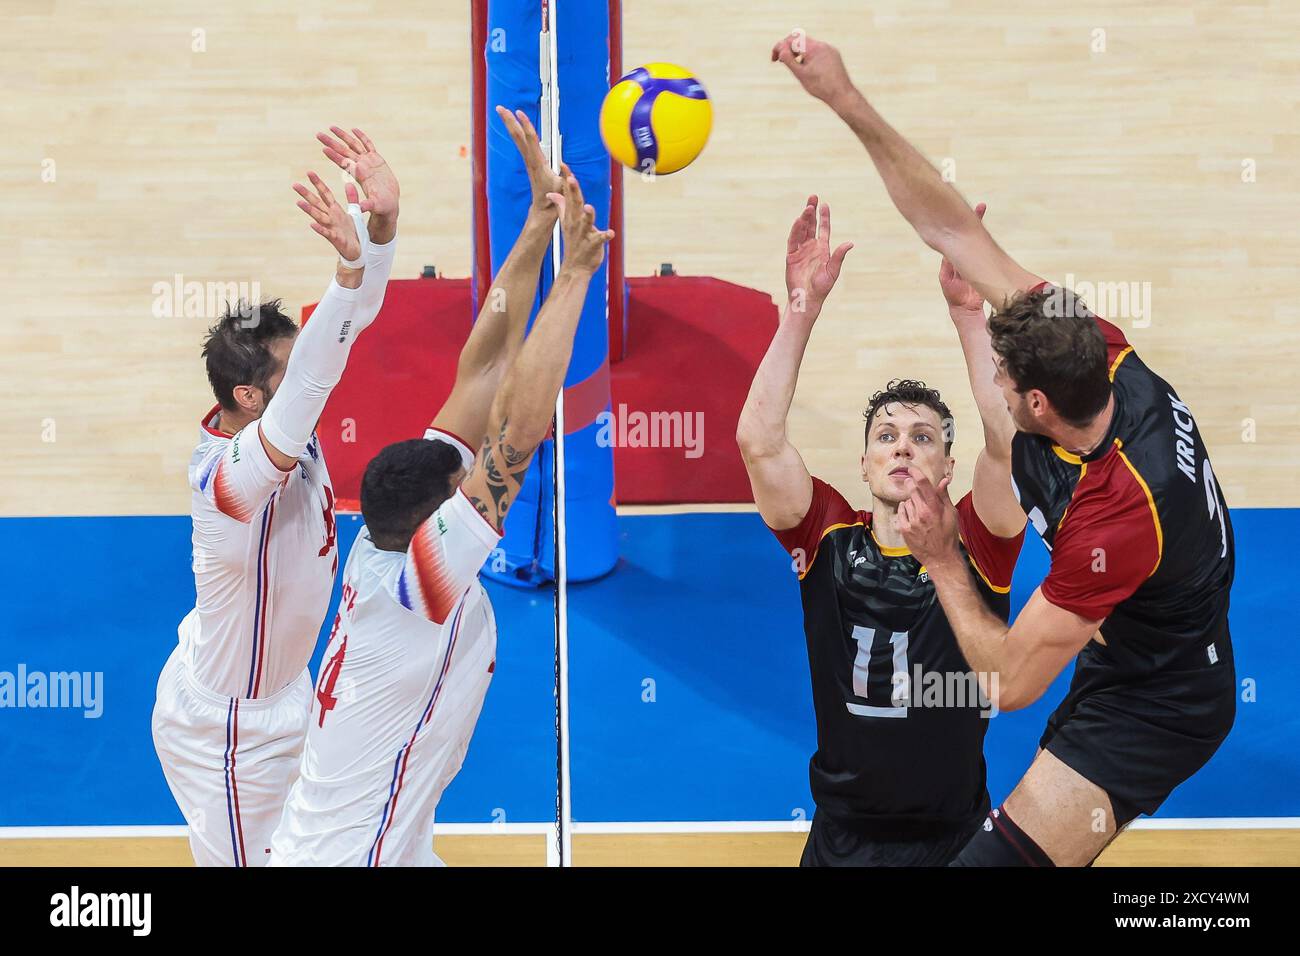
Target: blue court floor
[{"x": 690, "y": 692}]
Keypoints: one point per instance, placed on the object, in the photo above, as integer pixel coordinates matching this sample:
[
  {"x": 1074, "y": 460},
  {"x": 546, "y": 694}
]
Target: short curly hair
[
  {"x": 908, "y": 391},
  {"x": 404, "y": 484}
]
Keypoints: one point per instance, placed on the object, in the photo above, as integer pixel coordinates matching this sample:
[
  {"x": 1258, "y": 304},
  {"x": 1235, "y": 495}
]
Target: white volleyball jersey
[
  {"x": 264, "y": 562},
  {"x": 264, "y": 540},
  {"x": 400, "y": 689}
]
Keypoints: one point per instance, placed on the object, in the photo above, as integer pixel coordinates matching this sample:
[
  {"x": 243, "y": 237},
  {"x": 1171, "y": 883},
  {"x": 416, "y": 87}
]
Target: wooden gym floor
[{"x": 1134, "y": 142}]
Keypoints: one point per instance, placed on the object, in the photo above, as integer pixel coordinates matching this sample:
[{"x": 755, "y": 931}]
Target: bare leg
[{"x": 1069, "y": 817}]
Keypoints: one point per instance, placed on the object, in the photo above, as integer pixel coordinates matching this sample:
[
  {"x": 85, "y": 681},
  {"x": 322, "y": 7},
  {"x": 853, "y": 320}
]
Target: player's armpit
[
  {"x": 783, "y": 489},
  {"x": 498, "y": 473},
  {"x": 995, "y": 498},
  {"x": 1043, "y": 639}
]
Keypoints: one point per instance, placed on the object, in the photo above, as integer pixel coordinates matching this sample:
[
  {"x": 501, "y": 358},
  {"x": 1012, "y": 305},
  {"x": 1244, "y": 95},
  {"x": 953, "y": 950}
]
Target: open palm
[
  {"x": 810, "y": 267},
  {"x": 356, "y": 155}
]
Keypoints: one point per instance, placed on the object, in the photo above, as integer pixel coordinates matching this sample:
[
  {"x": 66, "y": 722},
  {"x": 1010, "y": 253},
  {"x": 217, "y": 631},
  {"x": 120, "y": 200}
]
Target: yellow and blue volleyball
[{"x": 656, "y": 119}]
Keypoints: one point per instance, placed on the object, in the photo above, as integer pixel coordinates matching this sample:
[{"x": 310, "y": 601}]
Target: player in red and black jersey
[
  {"x": 1109, "y": 465},
  {"x": 898, "y": 776}
]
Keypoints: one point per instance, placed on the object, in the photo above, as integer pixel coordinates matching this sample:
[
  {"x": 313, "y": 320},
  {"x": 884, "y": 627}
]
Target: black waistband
[{"x": 908, "y": 827}]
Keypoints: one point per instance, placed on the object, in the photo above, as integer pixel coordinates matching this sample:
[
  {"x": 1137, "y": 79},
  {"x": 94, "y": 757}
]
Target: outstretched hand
[
  {"x": 815, "y": 64},
  {"x": 541, "y": 177},
  {"x": 329, "y": 219},
  {"x": 356, "y": 155},
  {"x": 810, "y": 267},
  {"x": 961, "y": 295},
  {"x": 584, "y": 244},
  {"x": 928, "y": 520}
]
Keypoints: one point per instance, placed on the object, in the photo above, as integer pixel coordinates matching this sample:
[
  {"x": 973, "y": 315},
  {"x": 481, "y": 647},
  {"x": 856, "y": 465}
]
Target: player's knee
[{"x": 1000, "y": 842}]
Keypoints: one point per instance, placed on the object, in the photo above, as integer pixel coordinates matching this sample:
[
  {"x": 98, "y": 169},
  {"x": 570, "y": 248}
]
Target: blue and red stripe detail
[{"x": 404, "y": 754}]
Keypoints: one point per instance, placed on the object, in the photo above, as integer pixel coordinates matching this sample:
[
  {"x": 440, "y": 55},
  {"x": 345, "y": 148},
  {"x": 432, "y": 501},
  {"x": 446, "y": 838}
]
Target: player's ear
[
  {"x": 949, "y": 464},
  {"x": 863, "y": 463},
  {"x": 247, "y": 397}
]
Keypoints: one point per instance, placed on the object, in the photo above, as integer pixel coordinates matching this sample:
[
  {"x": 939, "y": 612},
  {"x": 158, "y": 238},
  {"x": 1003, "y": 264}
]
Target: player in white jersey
[
  {"x": 414, "y": 646},
  {"x": 232, "y": 702}
]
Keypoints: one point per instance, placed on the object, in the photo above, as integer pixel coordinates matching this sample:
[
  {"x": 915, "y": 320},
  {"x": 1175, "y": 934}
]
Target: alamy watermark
[
  {"x": 178, "y": 298},
  {"x": 1110, "y": 300},
  {"x": 621, "y": 428},
  {"x": 63, "y": 690}
]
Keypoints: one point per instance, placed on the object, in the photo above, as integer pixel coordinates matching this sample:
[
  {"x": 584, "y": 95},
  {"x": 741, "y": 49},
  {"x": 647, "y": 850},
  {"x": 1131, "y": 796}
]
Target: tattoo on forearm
[{"x": 504, "y": 468}]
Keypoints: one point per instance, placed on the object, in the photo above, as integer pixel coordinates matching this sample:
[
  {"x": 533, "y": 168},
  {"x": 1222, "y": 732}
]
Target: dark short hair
[
  {"x": 403, "y": 485},
  {"x": 1049, "y": 340},
  {"x": 237, "y": 350},
  {"x": 908, "y": 391}
]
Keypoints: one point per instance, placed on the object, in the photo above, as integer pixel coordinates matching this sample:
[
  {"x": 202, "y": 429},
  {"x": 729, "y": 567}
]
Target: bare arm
[
  {"x": 1016, "y": 663},
  {"x": 994, "y": 498},
  {"x": 934, "y": 208},
  {"x": 524, "y": 406},
  {"x": 780, "y": 480},
  {"x": 503, "y": 316}
]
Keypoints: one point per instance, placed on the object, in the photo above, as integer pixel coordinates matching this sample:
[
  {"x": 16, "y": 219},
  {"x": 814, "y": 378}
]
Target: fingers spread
[
  {"x": 345, "y": 163},
  {"x": 352, "y": 142},
  {"x": 330, "y": 143},
  {"x": 364, "y": 140},
  {"x": 324, "y": 191},
  {"x": 315, "y": 213}
]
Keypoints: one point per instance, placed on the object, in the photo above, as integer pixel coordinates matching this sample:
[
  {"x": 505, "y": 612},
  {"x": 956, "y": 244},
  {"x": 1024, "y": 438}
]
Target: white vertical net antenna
[{"x": 559, "y": 852}]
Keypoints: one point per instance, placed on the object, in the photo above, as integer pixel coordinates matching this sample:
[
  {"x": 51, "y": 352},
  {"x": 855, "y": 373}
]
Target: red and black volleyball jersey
[
  {"x": 900, "y": 721},
  {"x": 1138, "y": 529}
]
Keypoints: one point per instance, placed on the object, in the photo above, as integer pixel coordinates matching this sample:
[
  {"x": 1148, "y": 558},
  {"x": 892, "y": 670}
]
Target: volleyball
[{"x": 656, "y": 119}]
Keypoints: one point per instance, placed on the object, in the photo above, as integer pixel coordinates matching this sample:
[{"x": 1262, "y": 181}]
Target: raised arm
[
  {"x": 321, "y": 349},
  {"x": 992, "y": 492},
  {"x": 524, "y": 405},
  {"x": 777, "y": 474},
  {"x": 933, "y": 207},
  {"x": 503, "y": 316}
]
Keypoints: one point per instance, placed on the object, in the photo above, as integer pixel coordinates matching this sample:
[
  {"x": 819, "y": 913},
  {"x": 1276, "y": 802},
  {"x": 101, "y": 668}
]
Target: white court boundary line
[{"x": 629, "y": 829}]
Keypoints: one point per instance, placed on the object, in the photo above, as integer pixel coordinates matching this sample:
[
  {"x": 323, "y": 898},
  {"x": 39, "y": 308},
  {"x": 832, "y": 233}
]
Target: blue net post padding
[{"x": 527, "y": 555}]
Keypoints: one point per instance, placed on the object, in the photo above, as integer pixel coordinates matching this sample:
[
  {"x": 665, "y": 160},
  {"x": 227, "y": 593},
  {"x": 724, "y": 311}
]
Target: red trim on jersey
[
  {"x": 438, "y": 592},
  {"x": 994, "y": 558},
  {"x": 226, "y": 498},
  {"x": 452, "y": 434},
  {"x": 828, "y": 509},
  {"x": 1109, "y": 542},
  {"x": 203, "y": 422}
]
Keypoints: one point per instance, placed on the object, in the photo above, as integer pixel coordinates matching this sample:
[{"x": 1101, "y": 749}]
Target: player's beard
[{"x": 268, "y": 393}]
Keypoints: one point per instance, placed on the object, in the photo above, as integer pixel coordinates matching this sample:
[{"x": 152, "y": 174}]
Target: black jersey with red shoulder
[
  {"x": 900, "y": 720},
  {"x": 1138, "y": 529}
]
